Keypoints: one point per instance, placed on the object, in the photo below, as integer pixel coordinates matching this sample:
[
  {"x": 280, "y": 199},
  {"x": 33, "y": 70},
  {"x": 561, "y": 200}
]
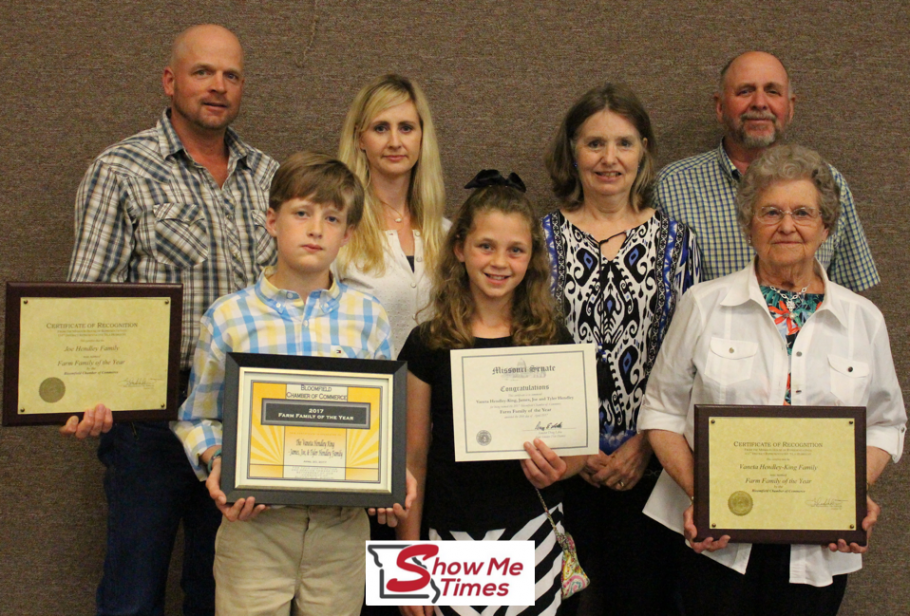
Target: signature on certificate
[
  {"x": 831, "y": 503},
  {"x": 141, "y": 383},
  {"x": 549, "y": 426}
]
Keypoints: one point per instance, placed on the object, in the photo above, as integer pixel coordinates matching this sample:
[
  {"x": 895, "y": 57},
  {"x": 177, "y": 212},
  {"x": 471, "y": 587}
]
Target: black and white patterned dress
[
  {"x": 623, "y": 305},
  {"x": 483, "y": 501}
]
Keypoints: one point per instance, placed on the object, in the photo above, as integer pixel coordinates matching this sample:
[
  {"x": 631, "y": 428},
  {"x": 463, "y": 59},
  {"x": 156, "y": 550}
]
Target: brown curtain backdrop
[{"x": 78, "y": 76}]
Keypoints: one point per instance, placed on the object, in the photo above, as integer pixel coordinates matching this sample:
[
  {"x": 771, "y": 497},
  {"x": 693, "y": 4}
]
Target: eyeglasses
[{"x": 803, "y": 216}]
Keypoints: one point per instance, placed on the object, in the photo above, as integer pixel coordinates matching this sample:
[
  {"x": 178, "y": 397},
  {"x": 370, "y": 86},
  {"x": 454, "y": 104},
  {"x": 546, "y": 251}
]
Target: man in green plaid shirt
[{"x": 754, "y": 105}]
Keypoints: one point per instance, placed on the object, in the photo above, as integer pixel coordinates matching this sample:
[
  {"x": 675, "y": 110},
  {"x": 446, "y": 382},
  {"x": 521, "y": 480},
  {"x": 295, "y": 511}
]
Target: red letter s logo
[{"x": 427, "y": 551}]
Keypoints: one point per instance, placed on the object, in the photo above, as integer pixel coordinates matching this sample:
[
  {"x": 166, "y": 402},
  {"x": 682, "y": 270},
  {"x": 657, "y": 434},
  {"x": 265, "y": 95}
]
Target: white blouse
[
  {"x": 724, "y": 348},
  {"x": 401, "y": 291}
]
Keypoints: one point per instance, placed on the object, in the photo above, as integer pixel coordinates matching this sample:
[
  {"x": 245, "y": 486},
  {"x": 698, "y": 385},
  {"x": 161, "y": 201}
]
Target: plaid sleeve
[
  {"x": 852, "y": 266},
  {"x": 199, "y": 425},
  {"x": 103, "y": 229},
  {"x": 380, "y": 333}
]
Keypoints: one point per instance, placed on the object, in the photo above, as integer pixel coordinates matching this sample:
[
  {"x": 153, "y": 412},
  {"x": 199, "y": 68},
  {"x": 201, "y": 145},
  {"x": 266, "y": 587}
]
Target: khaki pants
[{"x": 311, "y": 558}]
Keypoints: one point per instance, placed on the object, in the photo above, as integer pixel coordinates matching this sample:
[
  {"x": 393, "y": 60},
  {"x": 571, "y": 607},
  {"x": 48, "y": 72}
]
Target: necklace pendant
[
  {"x": 791, "y": 305},
  {"x": 398, "y": 220}
]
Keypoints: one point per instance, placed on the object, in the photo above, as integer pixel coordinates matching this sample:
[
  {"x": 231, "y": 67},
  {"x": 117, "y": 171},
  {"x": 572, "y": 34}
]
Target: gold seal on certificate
[
  {"x": 70, "y": 346},
  {"x": 787, "y": 474},
  {"x": 740, "y": 503},
  {"x": 314, "y": 430},
  {"x": 505, "y": 397}
]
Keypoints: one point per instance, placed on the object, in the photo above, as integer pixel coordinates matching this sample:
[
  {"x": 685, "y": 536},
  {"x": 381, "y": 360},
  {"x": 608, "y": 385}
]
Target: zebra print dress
[{"x": 547, "y": 570}]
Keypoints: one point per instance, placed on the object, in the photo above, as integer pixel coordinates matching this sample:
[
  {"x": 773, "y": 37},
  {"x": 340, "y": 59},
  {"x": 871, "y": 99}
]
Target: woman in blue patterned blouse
[{"x": 619, "y": 268}]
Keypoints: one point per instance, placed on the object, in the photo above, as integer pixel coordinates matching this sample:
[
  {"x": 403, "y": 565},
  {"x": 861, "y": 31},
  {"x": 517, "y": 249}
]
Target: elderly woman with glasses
[{"x": 776, "y": 333}]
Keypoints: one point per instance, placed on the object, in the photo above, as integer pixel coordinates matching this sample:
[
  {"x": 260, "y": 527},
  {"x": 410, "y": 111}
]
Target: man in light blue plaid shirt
[
  {"x": 754, "y": 105},
  {"x": 182, "y": 202}
]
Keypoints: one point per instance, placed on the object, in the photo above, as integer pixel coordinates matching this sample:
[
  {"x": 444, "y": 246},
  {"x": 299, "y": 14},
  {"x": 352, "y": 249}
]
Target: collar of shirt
[
  {"x": 290, "y": 304},
  {"x": 726, "y": 165},
  {"x": 169, "y": 142},
  {"x": 745, "y": 288}
]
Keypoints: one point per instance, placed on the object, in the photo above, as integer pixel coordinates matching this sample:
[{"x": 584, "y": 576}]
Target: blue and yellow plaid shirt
[
  {"x": 701, "y": 192},
  {"x": 336, "y": 322}
]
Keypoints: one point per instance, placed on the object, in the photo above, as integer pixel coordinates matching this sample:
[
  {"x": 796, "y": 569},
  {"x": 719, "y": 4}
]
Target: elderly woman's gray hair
[{"x": 785, "y": 163}]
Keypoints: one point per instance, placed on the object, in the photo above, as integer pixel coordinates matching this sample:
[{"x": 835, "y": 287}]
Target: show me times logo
[{"x": 450, "y": 573}]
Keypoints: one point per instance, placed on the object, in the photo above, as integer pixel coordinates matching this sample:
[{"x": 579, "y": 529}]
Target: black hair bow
[{"x": 492, "y": 177}]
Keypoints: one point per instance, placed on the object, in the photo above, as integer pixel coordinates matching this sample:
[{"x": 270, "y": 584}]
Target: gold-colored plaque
[
  {"x": 780, "y": 474},
  {"x": 72, "y": 346}
]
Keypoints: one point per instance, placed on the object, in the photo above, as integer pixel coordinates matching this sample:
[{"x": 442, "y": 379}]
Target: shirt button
[
  {"x": 850, "y": 369},
  {"x": 799, "y": 391},
  {"x": 799, "y": 353},
  {"x": 306, "y": 323},
  {"x": 229, "y": 216},
  {"x": 419, "y": 259},
  {"x": 731, "y": 349},
  {"x": 413, "y": 285},
  {"x": 290, "y": 295}
]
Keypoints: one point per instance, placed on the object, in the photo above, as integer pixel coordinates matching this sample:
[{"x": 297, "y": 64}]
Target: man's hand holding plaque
[{"x": 94, "y": 422}]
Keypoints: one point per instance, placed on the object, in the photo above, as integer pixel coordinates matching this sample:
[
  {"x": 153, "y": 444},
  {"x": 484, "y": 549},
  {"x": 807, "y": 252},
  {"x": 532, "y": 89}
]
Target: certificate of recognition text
[{"x": 78, "y": 351}]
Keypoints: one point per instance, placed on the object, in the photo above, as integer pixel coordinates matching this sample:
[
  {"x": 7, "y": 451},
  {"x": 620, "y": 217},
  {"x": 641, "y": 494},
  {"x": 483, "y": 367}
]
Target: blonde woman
[{"x": 389, "y": 142}]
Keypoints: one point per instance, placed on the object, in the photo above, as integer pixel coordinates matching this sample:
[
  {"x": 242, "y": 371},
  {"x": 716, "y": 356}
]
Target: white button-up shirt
[
  {"x": 724, "y": 348},
  {"x": 403, "y": 292}
]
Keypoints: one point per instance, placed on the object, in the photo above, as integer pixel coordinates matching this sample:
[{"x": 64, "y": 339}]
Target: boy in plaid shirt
[{"x": 267, "y": 558}]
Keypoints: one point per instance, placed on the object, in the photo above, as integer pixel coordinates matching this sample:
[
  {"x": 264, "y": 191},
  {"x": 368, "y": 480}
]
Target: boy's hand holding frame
[
  {"x": 391, "y": 516},
  {"x": 242, "y": 510}
]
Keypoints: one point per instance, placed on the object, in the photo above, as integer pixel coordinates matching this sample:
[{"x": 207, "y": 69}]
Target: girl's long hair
[
  {"x": 426, "y": 194},
  {"x": 534, "y": 315}
]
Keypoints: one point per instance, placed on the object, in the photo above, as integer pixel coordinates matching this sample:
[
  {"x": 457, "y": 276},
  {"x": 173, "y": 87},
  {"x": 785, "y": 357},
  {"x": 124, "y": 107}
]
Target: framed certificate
[
  {"x": 70, "y": 346},
  {"x": 780, "y": 474},
  {"x": 504, "y": 397},
  {"x": 314, "y": 430}
]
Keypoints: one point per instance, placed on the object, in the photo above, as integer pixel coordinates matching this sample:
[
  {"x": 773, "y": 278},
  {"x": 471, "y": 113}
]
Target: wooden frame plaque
[
  {"x": 70, "y": 346},
  {"x": 780, "y": 474},
  {"x": 314, "y": 430}
]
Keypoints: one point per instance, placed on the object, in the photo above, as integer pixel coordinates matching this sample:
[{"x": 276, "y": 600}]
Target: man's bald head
[
  {"x": 186, "y": 40},
  {"x": 751, "y": 56}
]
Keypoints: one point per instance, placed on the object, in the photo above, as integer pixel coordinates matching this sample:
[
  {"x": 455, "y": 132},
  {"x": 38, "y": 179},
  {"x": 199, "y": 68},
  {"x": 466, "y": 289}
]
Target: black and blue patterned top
[{"x": 623, "y": 305}]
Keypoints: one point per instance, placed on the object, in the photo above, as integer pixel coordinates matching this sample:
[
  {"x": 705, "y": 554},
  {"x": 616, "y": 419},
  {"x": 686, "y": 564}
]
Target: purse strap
[
  {"x": 563, "y": 539},
  {"x": 546, "y": 510}
]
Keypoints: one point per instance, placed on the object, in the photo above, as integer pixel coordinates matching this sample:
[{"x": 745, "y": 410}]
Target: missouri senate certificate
[
  {"x": 781, "y": 474},
  {"x": 504, "y": 397}
]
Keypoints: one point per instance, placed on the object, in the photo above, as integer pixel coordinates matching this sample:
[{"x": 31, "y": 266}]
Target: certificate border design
[
  {"x": 463, "y": 451},
  {"x": 703, "y": 415},
  {"x": 17, "y": 291},
  {"x": 393, "y": 409}
]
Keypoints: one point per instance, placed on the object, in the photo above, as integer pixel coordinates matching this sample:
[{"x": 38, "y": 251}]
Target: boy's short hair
[{"x": 321, "y": 179}]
